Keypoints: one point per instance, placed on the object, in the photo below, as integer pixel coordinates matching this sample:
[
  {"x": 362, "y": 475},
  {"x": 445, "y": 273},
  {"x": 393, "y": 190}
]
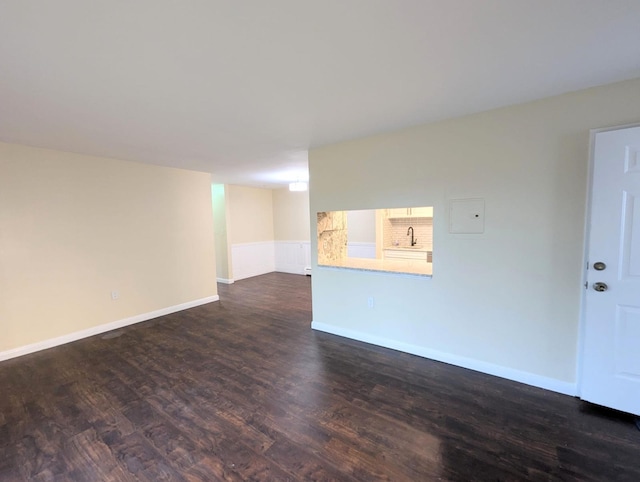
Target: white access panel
[{"x": 466, "y": 216}]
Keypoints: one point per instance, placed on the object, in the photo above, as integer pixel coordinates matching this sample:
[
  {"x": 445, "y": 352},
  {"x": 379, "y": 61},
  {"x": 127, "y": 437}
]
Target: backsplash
[{"x": 396, "y": 230}]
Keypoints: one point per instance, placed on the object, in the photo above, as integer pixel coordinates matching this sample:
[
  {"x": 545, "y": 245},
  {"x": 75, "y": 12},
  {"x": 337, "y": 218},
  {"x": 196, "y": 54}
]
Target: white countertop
[{"x": 401, "y": 266}]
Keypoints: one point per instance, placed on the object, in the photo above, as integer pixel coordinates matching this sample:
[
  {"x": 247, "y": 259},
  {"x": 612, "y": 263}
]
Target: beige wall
[
  {"x": 290, "y": 215},
  {"x": 510, "y": 297},
  {"x": 73, "y": 228},
  {"x": 220, "y": 196},
  {"x": 250, "y": 214}
]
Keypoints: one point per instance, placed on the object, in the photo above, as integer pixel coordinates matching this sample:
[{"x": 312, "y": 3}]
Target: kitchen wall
[
  {"x": 362, "y": 226},
  {"x": 74, "y": 228},
  {"x": 396, "y": 229},
  {"x": 361, "y": 236},
  {"x": 506, "y": 301}
]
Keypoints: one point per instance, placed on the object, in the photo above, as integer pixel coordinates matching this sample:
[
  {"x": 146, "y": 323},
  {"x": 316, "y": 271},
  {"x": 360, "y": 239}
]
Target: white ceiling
[{"x": 242, "y": 88}]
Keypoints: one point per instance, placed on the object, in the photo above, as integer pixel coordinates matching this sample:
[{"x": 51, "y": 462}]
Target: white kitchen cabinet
[
  {"x": 424, "y": 212},
  {"x": 406, "y": 254},
  {"x": 420, "y": 212},
  {"x": 397, "y": 212}
]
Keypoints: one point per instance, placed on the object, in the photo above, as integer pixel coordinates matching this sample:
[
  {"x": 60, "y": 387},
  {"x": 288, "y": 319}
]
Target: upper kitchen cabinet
[
  {"x": 423, "y": 212},
  {"x": 419, "y": 212}
]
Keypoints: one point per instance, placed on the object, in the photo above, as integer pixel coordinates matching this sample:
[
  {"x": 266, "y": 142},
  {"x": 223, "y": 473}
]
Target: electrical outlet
[
  {"x": 370, "y": 302},
  {"x": 115, "y": 295}
]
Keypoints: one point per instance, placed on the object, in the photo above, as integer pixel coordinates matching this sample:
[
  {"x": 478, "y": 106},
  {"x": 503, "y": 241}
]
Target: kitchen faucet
[{"x": 413, "y": 241}]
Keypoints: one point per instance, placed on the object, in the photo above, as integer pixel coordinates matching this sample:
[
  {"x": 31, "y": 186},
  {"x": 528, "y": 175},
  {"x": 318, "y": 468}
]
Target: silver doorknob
[{"x": 599, "y": 286}]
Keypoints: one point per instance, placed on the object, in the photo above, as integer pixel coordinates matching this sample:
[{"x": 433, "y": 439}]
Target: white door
[{"x": 611, "y": 363}]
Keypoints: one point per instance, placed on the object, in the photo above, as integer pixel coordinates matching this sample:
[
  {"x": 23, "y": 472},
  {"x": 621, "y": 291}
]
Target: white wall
[
  {"x": 74, "y": 228},
  {"x": 506, "y": 301}
]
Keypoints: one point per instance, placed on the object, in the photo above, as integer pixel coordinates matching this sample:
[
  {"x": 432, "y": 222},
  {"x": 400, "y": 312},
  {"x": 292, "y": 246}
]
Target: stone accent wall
[{"x": 332, "y": 237}]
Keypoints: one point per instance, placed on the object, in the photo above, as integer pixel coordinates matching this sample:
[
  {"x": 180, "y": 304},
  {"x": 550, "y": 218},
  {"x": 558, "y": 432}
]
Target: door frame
[{"x": 585, "y": 251}]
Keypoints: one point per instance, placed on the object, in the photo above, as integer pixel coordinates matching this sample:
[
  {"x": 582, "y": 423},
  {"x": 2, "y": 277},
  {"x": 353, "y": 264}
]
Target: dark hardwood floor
[{"x": 243, "y": 389}]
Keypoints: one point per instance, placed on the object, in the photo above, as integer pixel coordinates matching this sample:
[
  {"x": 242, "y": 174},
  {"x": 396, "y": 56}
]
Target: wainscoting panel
[
  {"x": 252, "y": 259},
  {"x": 292, "y": 256},
  {"x": 361, "y": 250}
]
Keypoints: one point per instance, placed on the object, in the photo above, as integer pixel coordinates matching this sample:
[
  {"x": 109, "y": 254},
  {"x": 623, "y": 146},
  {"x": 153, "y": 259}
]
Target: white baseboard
[
  {"x": 566, "y": 388},
  {"x": 225, "y": 281},
  {"x": 96, "y": 330}
]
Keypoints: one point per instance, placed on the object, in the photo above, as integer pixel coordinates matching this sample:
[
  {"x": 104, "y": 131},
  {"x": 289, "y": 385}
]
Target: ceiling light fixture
[{"x": 297, "y": 186}]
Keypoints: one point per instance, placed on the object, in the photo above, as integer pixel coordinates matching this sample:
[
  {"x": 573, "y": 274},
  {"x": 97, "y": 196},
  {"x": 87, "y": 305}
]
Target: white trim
[
  {"x": 566, "y": 388},
  {"x": 96, "y": 330},
  {"x": 225, "y": 281},
  {"x": 585, "y": 261}
]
